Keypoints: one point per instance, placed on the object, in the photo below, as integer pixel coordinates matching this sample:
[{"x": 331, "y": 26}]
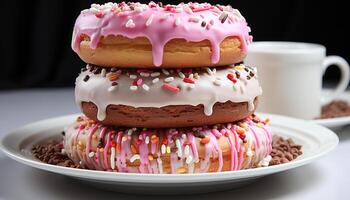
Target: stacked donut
[{"x": 165, "y": 90}]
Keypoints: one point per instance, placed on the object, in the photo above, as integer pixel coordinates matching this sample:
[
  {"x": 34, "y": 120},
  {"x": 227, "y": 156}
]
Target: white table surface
[{"x": 327, "y": 178}]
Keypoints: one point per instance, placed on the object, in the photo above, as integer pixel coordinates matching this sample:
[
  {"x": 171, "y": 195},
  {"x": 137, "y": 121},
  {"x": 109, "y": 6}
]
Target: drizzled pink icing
[
  {"x": 191, "y": 21},
  {"x": 183, "y": 143}
]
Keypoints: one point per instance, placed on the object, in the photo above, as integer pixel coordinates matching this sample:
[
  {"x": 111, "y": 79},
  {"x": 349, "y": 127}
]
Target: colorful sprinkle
[
  {"x": 188, "y": 80},
  {"x": 169, "y": 79},
  {"x": 156, "y": 80},
  {"x": 112, "y": 76},
  {"x": 132, "y": 76},
  {"x": 134, "y": 158},
  {"x": 130, "y": 24},
  {"x": 133, "y": 88},
  {"x": 232, "y": 78},
  {"x": 149, "y": 20},
  {"x": 171, "y": 88},
  {"x": 205, "y": 140},
  {"x": 145, "y": 87}
]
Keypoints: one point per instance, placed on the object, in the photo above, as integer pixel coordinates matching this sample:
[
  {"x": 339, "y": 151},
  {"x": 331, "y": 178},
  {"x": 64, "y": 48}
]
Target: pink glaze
[{"x": 192, "y": 21}]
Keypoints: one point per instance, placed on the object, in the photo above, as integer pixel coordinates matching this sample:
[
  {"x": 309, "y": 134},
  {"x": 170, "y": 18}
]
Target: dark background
[{"x": 35, "y": 35}]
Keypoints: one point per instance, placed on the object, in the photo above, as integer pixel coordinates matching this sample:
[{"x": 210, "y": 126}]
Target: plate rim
[{"x": 166, "y": 178}]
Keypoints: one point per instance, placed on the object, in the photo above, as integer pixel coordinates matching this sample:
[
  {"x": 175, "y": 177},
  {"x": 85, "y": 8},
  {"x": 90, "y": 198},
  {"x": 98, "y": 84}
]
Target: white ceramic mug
[{"x": 291, "y": 73}]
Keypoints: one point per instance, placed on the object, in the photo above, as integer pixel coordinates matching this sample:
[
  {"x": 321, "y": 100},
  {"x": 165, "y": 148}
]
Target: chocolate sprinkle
[
  {"x": 87, "y": 77},
  {"x": 114, "y": 83},
  {"x": 203, "y": 23},
  {"x": 238, "y": 75},
  {"x": 100, "y": 143},
  {"x": 224, "y": 18}
]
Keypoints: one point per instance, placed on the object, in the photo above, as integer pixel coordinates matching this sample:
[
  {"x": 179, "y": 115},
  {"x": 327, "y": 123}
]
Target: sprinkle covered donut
[
  {"x": 167, "y": 98},
  {"x": 224, "y": 147},
  {"x": 150, "y": 35}
]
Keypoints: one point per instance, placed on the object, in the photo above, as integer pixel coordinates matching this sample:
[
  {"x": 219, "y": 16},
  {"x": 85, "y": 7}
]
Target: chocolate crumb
[
  {"x": 51, "y": 153},
  {"x": 284, "y": 150},
  {"x": 335, "y": 109},
  {"x": 87, "y": 77}
]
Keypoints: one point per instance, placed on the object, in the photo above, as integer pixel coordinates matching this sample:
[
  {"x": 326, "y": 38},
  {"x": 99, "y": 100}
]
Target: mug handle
[{"x": 344, "y": 78}]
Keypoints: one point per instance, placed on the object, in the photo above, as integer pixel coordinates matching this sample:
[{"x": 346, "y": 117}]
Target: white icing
[{"x": 204, "y": 93}]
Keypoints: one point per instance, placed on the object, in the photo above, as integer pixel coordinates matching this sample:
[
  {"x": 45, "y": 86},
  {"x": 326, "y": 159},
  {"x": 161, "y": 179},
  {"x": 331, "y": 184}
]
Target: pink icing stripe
[
  {"x": 117, "y": 155},
  {"x": 143, "y": 148},
  {"x": 233, "y": 150},
  {"x": 218, "y": 149},
  {"x": 90, "y": 161},
  {"x": 164, "y": 26},
  {"x": 269, "y": 143},
  {"x": 105, "y": 152},
  {"x": 236, "y": 142},
  {"x": 216, "y": 133},
  {"x": 237, "y": 147},
  {"x": 193, "y": 146},
  {"x": 257, "y": 138}
]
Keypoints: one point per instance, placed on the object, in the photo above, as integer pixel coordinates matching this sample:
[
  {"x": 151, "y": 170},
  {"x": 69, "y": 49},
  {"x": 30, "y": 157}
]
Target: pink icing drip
[
  {"x": 216, "y": 133},
  {"x": 91, "y": 161},
  {"x": 117, "y": 155},
  {"x": 105, "y": 152},
  {"x": 218, "y": 149},
  {"x": 193, "y": 146},
  {"x": 269, "y": 143},
  {"x": 257, "y": 138},
  {"x": 161, "y": 31},
  {"x": 232, "y": 149},
  {"x": 237, "y": 147},
  {"x": 143, "y": 148}
]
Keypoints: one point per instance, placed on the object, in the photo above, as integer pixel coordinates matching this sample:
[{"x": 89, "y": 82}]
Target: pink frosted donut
[
  {"x": 223, "y": 147},
  {"x": 148, "y": 35}
]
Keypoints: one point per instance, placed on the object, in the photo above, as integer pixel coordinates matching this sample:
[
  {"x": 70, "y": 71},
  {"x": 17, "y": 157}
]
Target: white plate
[
  {"x": 316, "y": 141},
  {"x": 337, "y": 122}
]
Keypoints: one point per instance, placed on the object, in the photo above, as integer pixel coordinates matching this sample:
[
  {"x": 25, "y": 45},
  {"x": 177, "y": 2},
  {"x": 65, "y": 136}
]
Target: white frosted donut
[{"x": 183, "y": 97}]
